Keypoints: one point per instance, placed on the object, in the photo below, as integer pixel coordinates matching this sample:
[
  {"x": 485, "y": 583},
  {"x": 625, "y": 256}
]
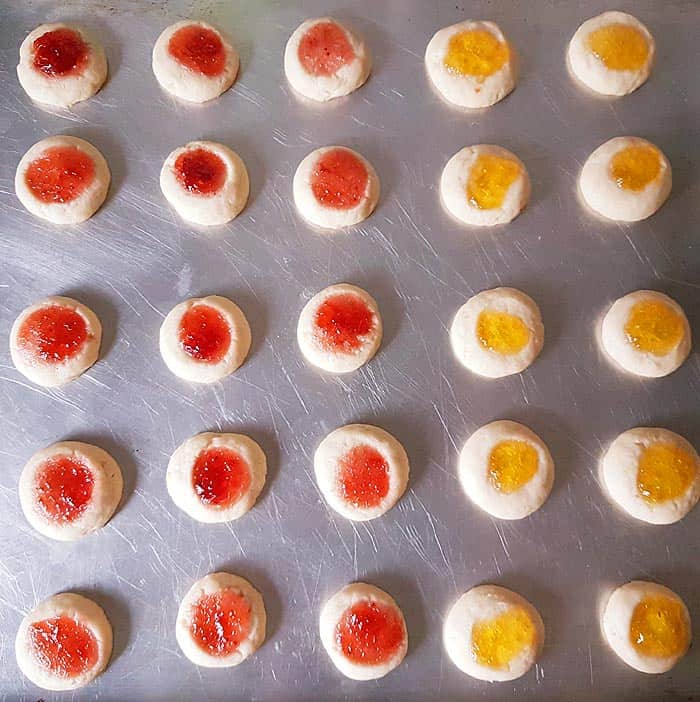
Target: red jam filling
[
  {"x": 339, "y": 179},
  {"x": 63, "y": 488},
  {"x": 63, "y": 646},
  {"x": 60, "y": 53},
  {"x": 200, "y": 171},
  {"x": 204, "y": 334},
  {"x": 220, "y": 477},
  {"x": 370, "y": 633},
  {"x": 199, "y": 49},
  {"x": 220, "y": 622},
  {"x": 363, "y": 476},
  {"x": 342, "y": 321},
  {"x": 53, "y": 334},
  {"x": 60, "y": 174},
  {"x": 324, "y": 49}
]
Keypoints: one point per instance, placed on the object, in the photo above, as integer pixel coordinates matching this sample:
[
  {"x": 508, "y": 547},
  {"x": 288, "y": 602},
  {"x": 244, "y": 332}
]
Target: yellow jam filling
[
  {"x": 654, "y": 327},
  {"x": 496, "y": 642},
  {"x": 619, "y": 46},
  {"x": 502, "y": 332},
  {"x": 512, "y": 464},
  {"x": 489, "y": 179},
  {"x": 659, "y": 627},
  {"x": 634, "y": 167},
  {"x": 665, "y": 472},
  {"x": 477, "y": 53}
]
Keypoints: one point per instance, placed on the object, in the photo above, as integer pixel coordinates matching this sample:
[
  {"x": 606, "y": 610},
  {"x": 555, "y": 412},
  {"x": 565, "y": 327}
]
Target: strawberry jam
[
  {"x": 325, "y": 49},
  {"x": 199, "y": 49},
  {"x": 60, "y": 53},
  {"x": 220, "y": 477},
  {"x": 363, "y": 476},
  {"x": 339, "y": 179},
  {"x": 53, "y": 334},
  {"x": 220, "y": 622},
  {"x": 370, "y": 633},
  {"x": 200, "y": 171},
  {"x": 342, "y": 321},
  {"x": 60, "y": 174},
  {"x": 204, "y": 334},
  {"x": 63, "y": 488},
  {"x": 63, "y": 646}
]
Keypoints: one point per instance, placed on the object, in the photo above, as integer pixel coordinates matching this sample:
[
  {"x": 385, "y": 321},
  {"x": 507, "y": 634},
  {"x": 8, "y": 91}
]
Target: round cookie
[
  {"x": 221, "y": 621},
  {"x": 363, "y": 631},
  {"x": 497, "y": 332},
  {"x": 324, "y": 60},
  {"x": 55, "y": 340},
  {"x": 60, "y": 65},
  {"x": 204, "y": 339},
  {"x": 340, "y": 328},
  {"x": 64, "y": 643},
  {"x": 493, "y": 634}
]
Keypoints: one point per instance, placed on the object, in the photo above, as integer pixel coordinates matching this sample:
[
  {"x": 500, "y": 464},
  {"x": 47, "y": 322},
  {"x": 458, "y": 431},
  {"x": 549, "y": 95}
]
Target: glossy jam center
[
  {"x": 342, "y": 322},
  {"x": 634, "y": 167},
  {"x": 502, "y": 332},
  {"x": 220, "y": 622},
  {"x": 512, "y": 464},
  {"x": 496, "y": 642},
  {"x": 339, "y": 179},
  {"x": 60, "y": 53},
  {"x": 370, "y": 633},
  {"x": 204, "y": 334},
  {"x": 64, "y": 646},
  {"x": 200, "y": 171},
  {"x": 665, "y": 472},
  {"x": 60, "y": 174},
  {"x": 199, "y": 49},
  {"x": 53, "y": 334},
  {"x": 654, "y": 327},
  {"x": 619, "y": 46},
  {"x": 63, "y": 488},
  {"x": 490, "y": 178},
  {"x": 477, "y": 53},
  {"x": 325, "y": 49},
  {"x": 659, "y": 627},
  {"x": 220, "y": 477},
  {"x": 363, "y": 476}
]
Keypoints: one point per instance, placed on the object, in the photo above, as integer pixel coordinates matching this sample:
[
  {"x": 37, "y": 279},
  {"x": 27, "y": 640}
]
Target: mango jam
[
  {"x": 496, "y": 642},
  {"x": 490, "y": 178},
  {"x": 476, "y": 52},
  {"x": 654, "y": 327},
  {"x": 665, "y": 472},
  {"x": 502, "y": 332},
  {"x": 634, "y": 167},
  {"x": 512, "y": 464},
  {"x": 659, "y": 627},
  {"x": 619, "y": 46}
]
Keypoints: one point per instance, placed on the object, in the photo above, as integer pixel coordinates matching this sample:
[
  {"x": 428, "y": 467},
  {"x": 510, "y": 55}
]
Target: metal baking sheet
[{"x": 134, "y": 260}]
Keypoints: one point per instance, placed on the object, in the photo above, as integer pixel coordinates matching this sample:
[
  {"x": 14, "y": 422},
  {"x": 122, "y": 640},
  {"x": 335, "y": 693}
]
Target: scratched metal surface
[{"x": 134, "y": 260}]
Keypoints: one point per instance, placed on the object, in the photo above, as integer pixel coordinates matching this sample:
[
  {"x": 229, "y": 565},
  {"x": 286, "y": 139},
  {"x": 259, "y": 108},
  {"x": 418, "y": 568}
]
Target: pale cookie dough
[
  {"x": 649, "y": 348},
  {"x": 631, "y": 192},
  {"x": 213, "y": 584},
  {"x": 77, "y": 209},
  {"x": 497, "y": 332},
  {"x": 313, "y": 344},
  {"x": 185, "y": 366},
  {"x": 185, "y": 493},
  {"x": 218, "y": 207},
  {"x": 496, "y": 71},
  {"x": 474, "y": 170},
  {"x": 57, "y": 90},
  {"x": 182, "y": 81},
  {"x": 609, "y": 73},
  {"x": 479, "y": 606},
  {"x": 332, "y": 614},
  {"x": 619, "y": 619},
  {"x": 55, "y": 373},
  {"x": 322, "y": 86},
  {"x": 329, "y": 469},
  {"x": 653, "y": 474},
  {"x": 80, "y": 609},
  {"x": 320, "y": 214}
]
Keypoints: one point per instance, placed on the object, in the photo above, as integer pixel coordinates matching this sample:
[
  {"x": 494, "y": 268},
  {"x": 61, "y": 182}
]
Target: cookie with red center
[
  {"x": 204, "y": 339},
  {"x": 221, "y": 621},
  {"x": 363, "y": 632},
  {"x": 55, "y": 340},
  {"x": 362, "y": 471},
  {"x": 216, "y": 477},
  {"x": 60, "y": 65},
  {"x": 325, "y": 60},
  {"x": 194, "y": 61},
  {"x": 207, "y": 183},
  {"x": 64, "y": 643},
  {"x": 335, "y": 187},
  {"x": 339, "y": 328}
]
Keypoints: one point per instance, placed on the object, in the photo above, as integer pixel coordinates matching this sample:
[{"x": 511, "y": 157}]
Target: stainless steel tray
[{"x": 134, "y": 260}]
